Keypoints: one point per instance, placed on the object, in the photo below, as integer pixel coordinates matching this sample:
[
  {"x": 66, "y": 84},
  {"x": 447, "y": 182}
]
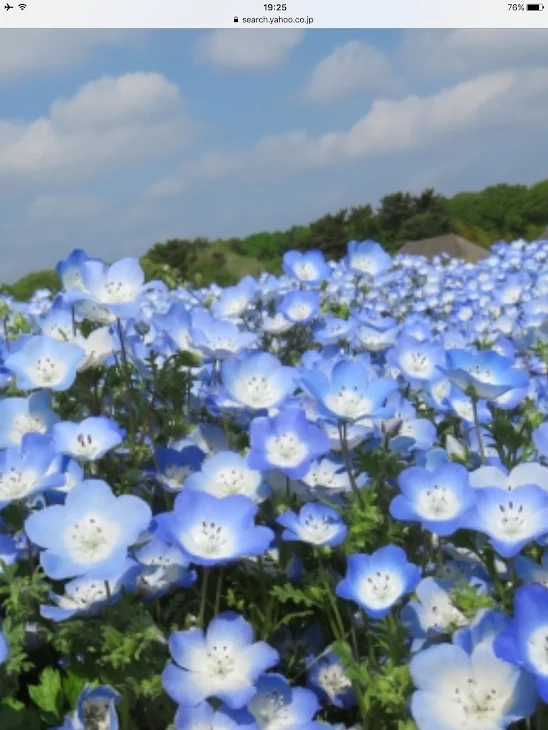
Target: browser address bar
[{"x": 272, "y": 15}]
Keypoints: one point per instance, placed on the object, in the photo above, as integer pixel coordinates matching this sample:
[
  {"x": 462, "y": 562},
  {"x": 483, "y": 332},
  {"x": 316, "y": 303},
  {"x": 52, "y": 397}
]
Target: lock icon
[{"x": 235, "y": 18}]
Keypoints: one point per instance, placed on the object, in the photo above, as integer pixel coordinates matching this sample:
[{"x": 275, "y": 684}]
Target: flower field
[{"x": 309, "y": 501}]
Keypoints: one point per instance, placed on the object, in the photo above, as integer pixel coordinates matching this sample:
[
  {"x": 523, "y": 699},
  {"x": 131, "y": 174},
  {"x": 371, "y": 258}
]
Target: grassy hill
[{"x": 498, "y": 212}]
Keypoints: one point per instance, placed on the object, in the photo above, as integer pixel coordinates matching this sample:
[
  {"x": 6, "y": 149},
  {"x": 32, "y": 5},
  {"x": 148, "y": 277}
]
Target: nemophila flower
[
  {"x": 348, "y": 393},
  {"x": 25, "y": 470},
  {"x": 204, "y": 717},
  {"x": 70, "y": 269},
  {"x": 72, "y": 473},
  {"x": 258, "y": 380},
  {"x": 484, "y": 374},
  {"x": 4, "y": 649},
  {"x": 226, "y": 473},
  {"x": 329, "y": 476},
  {"x": 288, "y": 442},
  {"x": 223, "y": 662},
  {"x": 510, "y": 519},
  {"x": 96, "y": 706},
  {"x": 328, "y": 678},
  {"x": 117, "y": 287},
  {"x": 439, "y": 499},
  {"x": 376, "y": 582},
  {"x": 463, "y": 406},
  {"x": 529, "y": 473},
  {"x": 279, "y": 706},
  {"x": 524, "y": 642},
  {"x": 211, "y": 531},
  {"x": 19, "y": 416},
  {"x": 465, "y": 685},
  {"x": 164, "y": 568},
  {"x": 88, "y": 440},
  {"x": 42, "y": 362},
  {"x": 234, "y": 300},
  {"x": 90, "y": 534},
  {"x": 316, "y": 524},
  {"x": 409, "y": 432},
  {"x": 99, "y": 345},
  {"x": 219, "y": 339},
  {"x": 87, "y": 596},
  {"x": 540, "y": 439},
  {"x": 177, "y": 323},
  {"x": 432, "y": 613},
  {"x": 175, "y": 466},
  {"x": 309, "y": 267},
  {"x": 530, "y": 572},
  {"x": 367, "y": 257},
  {"x": 418, "y": 361},
  {"x": 300, "y": 307},
  {"x": 333, "y": 330}
]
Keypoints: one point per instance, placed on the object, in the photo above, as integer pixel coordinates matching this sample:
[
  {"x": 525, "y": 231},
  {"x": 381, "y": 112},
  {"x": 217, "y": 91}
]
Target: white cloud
[
  {"x": 24, "y": 52},
  {"x": 67, "y": 208},
  {"x": 487, "y": 101},
  {"x": 253, "y": 49},
  {"x": 469, "y": 51},
  {"x": 349, "y": 69},
  {"x": 135, "y": 117}
]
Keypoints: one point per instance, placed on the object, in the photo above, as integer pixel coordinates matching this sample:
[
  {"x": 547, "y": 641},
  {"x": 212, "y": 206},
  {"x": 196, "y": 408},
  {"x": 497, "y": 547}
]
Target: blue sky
[{"x": 113, "y": 140}]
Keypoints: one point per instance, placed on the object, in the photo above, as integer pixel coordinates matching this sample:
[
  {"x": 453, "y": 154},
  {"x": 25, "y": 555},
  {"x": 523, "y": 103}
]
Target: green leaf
[
  {"x": 48, "y": 695},
  {"x": 14, "y": 718}
]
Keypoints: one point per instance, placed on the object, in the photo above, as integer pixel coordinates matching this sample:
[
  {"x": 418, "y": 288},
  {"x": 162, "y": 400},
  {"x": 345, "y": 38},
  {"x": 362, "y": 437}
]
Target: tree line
[{"x": 499, "y": 212}]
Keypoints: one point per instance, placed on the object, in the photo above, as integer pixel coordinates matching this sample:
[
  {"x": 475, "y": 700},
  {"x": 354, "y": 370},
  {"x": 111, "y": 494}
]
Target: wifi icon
[{"x": 22, "y": 6}]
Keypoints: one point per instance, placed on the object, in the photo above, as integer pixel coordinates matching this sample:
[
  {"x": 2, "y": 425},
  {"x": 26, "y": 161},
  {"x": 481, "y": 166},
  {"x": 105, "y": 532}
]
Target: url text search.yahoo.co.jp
[{"x": 308, "y": 20}]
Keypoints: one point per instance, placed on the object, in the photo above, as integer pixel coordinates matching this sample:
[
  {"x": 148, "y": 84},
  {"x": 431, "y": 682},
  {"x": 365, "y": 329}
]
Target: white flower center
[
  {"x": 175, "y": 476},
  {"x": 91, "y": 539},
  {"x": 537, "y": 649},
  {"x": 512, "y": 519},
  {"x": 47, "y": 371},
  {"x": 305, "y": 271},
  {"x": 84, "y": 595},
  {"x": 417, "y": 364},
  {"x": 484, "y": 375},
  {"x": 437, "y": 503},
  {"x": 258, "y": 391},
  {"x": 348, "y": 402},
  {"x": 26, "y": 423},
  {"x": 318, "y": 530},
  {"x": 363, "y": 263},
  {"x": 300, "y": 311},
  {"x": 118, "y": 292},
  {"x": 210, "y": 540},
  {"x": 286, "y": 449},
  {"x": 15, "y": 483},
  {"x": 96, "y": 714},
  {"x": 380, "y": 589},
  {"x": 333, "y": 680},
  {"x": 270, "y": 711}
]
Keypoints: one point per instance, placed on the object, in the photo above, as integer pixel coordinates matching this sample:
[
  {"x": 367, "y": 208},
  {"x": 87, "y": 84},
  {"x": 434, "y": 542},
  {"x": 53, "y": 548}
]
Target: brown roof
[{"x": 451, "y": 244}]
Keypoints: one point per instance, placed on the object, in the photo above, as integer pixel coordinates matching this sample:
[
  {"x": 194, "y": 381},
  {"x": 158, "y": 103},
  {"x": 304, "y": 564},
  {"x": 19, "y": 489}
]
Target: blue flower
[
  {"x": 296, "y": 705},
  {"x": 174, "y": 466},
  {"x": 484, "y": 374},
  {"x": 9, "y": 552},
  {"x": 258, "y": 380},
  {"x": 234, "y": 300},
  {"x": 204, "y": 717},
  {"x": 510, "y": 519},
  {"x": 524, "y": 641},
  {"x": 42, "y": 362},
  {"x": 376, "y": 582},
  {"x": 328, "y": 677},
  {"x": 222, "y": 663},
  {"x": 540, "y": 439},
  {"x": 4, "y": 648},
  {"x": 212, "y": 531},
  {"x": 87, "y": 596},
  {"x": 98, "y": 706},
  {"x": 19, "y": 416},
  {"x": 465, "y": 685},
  {"x": 219, "y": 339},
  {"x": 349, "y": 393},
  {"x": 164, "y": 567},
  {"x": 90, "y": 534},
  {"x": 438, "y": 499},
  {"x": 70, "y": 269},
  {"x": 315, "y": 524},
  {"x": 26, "y": 470},
  {"x": 88, "y": 440},
  {"x": 432, "y": 614},
  {"x": 288, "y": 442},
  {"x": 117, "y": 287},
  {"x": 367, "y": 257},
  {"x": 418, "y": 361},
  {"x": 300, "y": 307},
  {"x": 226, "y": 473},
  {"x": 309, "y": 267}
]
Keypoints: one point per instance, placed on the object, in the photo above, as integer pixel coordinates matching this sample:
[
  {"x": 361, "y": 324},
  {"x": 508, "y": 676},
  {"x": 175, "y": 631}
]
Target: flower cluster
[{"x": 309, "y": 501}]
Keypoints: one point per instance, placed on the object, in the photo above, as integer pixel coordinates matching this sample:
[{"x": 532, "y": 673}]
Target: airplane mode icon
[{"x": 8, "y": 7}]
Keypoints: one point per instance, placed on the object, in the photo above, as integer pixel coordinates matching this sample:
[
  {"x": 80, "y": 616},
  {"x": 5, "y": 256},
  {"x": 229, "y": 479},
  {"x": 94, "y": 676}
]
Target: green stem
[
  {"x": 203, "y": 597},
  {"x": 218, "y": 592},
  {"x": 343, "y": 437},
  {"x": 478, "y": 430}
]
